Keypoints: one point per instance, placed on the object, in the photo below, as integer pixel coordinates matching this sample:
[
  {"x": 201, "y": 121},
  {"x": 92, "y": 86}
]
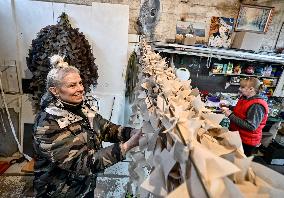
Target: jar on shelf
[{"x": 179, "y": 38}]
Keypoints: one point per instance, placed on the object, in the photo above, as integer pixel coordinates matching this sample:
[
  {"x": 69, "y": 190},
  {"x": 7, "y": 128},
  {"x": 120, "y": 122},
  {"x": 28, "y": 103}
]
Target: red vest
[{"x": 252, "y": 138}]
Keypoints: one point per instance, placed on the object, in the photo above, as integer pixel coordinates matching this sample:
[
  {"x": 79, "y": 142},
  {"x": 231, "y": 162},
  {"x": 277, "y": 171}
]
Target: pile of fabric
[{"x": 186, "y": 150}]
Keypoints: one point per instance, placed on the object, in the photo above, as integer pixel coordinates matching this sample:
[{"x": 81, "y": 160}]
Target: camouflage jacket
[{"x": 68, "y": 149}]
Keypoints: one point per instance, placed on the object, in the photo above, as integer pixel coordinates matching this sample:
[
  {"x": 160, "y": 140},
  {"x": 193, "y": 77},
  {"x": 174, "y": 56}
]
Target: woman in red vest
[{"x": 250, "y": 114}]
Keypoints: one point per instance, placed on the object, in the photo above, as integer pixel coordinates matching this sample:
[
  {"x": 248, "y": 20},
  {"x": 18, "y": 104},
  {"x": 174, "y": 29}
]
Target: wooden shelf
[
  {"x": 12, "y": 93},
  {"x": 245, "y": 75},
  {"x": 6, "y": 67}
]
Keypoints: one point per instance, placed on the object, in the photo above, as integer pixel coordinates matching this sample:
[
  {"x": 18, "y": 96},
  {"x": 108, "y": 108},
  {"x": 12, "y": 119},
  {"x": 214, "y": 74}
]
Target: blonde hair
[
  {"x": 55, "y": 76},
  {"x": 254, "y": 83},
  {"x": 58, "y": 71}
]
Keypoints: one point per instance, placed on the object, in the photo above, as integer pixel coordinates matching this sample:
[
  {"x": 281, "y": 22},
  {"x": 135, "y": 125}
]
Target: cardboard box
[
  {"x": 189, "y": 40},
  {"x": 247, "y": 41}
]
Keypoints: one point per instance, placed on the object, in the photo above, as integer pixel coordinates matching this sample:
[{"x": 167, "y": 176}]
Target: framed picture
[
  {"x": 220, "y": 33},
  {"x": 195, "y": 28},
  {"x": 254, "y": 18}
]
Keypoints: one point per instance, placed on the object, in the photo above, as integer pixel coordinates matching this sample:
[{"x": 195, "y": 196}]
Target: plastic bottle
[
  {"x": 225, "y": 66},
  {"x": 230, "y": 68}
]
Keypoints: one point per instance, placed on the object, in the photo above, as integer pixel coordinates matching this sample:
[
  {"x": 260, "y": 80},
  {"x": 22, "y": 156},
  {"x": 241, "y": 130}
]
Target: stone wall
[
  {"x": 198, "y": 11},
  {"x": 271, "y": 36},
  {"x": 194, "y": 11}
]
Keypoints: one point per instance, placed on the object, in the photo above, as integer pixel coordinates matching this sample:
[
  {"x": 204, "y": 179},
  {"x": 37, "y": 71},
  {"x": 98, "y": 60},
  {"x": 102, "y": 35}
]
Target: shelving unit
[
  {"x": 12, "y": 78},
  {"x": 210, "y": 52},
  {"x": 244, "y": 75},
  {"x": 11, "y": 94},
  {"x": 237, "y": 84},
  {"x": 228, "y": 54}
]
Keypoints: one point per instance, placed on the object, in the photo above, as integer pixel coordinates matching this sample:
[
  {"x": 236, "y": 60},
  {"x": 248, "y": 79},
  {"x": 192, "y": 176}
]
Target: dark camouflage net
[{"x": 66, "y": 41}]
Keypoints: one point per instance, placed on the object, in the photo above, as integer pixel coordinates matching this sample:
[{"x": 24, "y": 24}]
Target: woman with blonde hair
[
  {"x": 250, "y": 114},
  {"x": 68, "y": 135}
]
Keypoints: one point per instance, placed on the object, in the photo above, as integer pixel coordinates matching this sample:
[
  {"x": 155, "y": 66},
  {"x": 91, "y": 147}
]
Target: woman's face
[
  {"x": 246, "y": 91},
  {"x": 71, "y": 89}
]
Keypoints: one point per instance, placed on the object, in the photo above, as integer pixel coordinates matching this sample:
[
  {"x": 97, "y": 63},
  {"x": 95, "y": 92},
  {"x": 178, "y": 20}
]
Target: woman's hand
[
  {"x": 222, "y": 104},
  {"x": 135, "y": 135},
  {"x": 226, "y": 111}
]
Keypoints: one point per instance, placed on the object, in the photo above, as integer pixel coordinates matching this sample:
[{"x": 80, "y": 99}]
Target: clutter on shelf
[
  {"x": 273, "y": 71},
  {"x": 268, "y": 74},
  {"x": 276, "y": 107}
]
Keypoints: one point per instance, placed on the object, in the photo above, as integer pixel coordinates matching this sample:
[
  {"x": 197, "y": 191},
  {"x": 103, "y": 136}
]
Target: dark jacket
[{"x": 68, "y": 149}]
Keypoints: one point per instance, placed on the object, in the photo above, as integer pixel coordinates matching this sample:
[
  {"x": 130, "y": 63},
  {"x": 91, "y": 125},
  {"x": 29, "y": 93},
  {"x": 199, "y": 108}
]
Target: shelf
[
  {"x": 246, "y": 75},
  {"x": 238, "y": 84},
  {"x": 228, "y": 54},
  {"x": 12, "y": 93},
  {"x": 6, "y": 67},
  {"x": 170, "y": 51},
  {"x": 219, "y": 53},
  {"x": 274, "y": 119},
  {"x": 235, "y": 84}
]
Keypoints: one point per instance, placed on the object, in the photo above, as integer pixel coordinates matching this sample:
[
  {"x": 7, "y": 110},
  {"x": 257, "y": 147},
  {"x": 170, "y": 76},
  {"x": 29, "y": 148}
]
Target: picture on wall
[
  {"x": 197, "y": 29},
  {"x": 254, "y": 18},
  {"x": 184, "y": 27},
  {"x": 220, "y": 33}
]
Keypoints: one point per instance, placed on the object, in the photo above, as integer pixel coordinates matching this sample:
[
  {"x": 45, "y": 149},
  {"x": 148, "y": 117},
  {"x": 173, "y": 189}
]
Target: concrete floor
[
  {"x": 15, "y": 186},
  {"x": 113, "y": 183}
]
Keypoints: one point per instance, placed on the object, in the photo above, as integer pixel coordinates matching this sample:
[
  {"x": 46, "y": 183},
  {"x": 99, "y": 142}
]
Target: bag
[{"x": 274, "y": 154}]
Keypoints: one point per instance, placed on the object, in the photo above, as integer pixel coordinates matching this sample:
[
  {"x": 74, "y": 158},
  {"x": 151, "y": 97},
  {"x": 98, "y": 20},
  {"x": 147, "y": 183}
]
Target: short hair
[{"x": 254, "y": 83}]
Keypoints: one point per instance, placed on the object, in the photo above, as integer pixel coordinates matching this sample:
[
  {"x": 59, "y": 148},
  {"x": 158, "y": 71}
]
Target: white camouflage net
[{"x": 188, "y": 152}]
